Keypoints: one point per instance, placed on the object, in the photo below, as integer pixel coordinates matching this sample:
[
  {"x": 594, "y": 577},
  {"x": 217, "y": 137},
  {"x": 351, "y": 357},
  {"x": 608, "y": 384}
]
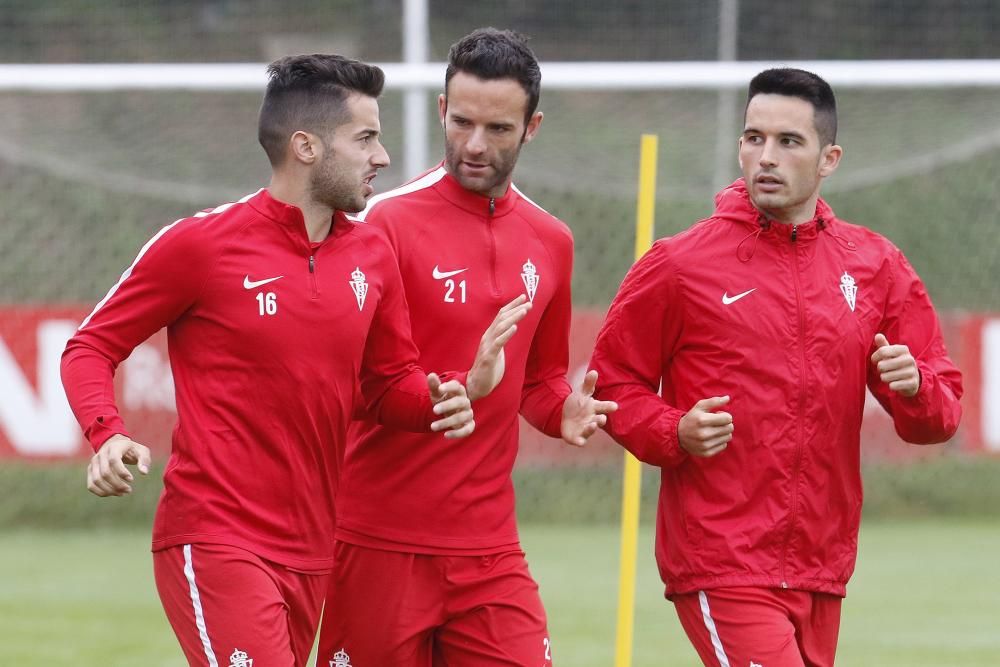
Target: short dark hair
[
  {"x": 804, "y": 85},
  {"x": 309, "y": 92},
  {"x": 488, "y": 53}
]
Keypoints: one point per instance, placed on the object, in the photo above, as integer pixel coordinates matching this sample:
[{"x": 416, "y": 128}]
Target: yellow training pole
[{"x": 633, "y": 479}]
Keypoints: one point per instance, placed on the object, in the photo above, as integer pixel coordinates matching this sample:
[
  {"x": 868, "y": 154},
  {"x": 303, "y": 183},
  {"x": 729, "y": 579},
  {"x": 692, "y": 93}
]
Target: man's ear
[
  {"x": 304, "y": 147},
  {"x": 442, "y": 107},
  {"x": 830, "y": 159},
  {"x": 532, "y": 128}
]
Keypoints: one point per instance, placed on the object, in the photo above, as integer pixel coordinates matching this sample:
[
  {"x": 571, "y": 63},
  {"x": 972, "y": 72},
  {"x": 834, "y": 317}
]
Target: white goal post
[
  {"x": 704, "y": 75},
  {"x": 418, "y": 80}
]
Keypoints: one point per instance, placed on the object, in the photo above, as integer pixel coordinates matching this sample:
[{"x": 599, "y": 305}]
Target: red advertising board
[
  {"x": 35, "y": 418},
  {"x": 36, "y": 422}
]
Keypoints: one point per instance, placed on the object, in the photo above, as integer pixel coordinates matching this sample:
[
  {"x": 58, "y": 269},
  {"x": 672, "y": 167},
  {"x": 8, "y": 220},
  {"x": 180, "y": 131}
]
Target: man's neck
[
  {"x": 500, "y": 190},
  {"x": 317, "y": 217},
  {"x": 797, "y": 215},
  {"x": 496, "y": 193},
  {"x": 787, "y": 217}
]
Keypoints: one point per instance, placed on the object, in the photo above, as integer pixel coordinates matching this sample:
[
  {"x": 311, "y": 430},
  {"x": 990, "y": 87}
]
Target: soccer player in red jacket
[
  {"x": 765, "y": 323},
  {"x": 274, "y": 306},
  {"x": 429, "y": 568}
]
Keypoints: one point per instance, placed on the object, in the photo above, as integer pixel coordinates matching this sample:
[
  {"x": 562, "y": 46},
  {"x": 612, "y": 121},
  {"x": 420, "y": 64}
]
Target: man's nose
[
  {"x": 768, "y": 154},
  {"x": 477, "y": 142},
  {"x": 380, "y": 159}
]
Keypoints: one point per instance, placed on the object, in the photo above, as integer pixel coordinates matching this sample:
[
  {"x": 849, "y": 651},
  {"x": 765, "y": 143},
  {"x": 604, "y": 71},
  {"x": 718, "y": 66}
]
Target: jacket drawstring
[
  {"x": 763, "y": 225},
  {"x": 850, "y": 245}
]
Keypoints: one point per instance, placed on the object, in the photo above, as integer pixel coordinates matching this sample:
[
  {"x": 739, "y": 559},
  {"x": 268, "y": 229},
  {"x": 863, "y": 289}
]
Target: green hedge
[
  {"x": 949, "y": 486},
  {"x": 54, "y": 496}
]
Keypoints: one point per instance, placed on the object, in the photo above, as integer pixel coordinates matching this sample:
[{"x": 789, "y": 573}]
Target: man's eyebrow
[{"x": 788, "y": 133}]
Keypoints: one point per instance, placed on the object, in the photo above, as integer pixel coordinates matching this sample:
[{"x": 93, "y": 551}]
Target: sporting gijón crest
[
  {"x": 240, "y": 659},
  {"x": 849, "y": 289},
  {"x": 360, "y": 287},
  {"x": 530, "y": 277}
]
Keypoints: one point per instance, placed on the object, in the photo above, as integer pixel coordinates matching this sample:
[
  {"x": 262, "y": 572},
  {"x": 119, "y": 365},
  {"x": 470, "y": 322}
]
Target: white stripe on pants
[{"x": 199, "y": 614}]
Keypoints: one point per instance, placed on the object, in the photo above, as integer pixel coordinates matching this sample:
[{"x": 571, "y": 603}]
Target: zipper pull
[
  {"x": 312, "y": 264},
  {"x": 795, "y": 233},
  {"x": 493, "y": 205}
]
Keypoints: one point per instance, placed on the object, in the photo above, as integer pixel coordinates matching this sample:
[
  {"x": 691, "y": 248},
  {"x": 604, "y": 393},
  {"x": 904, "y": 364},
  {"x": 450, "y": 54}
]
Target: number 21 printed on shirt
[{"x": 449, "y": 294}]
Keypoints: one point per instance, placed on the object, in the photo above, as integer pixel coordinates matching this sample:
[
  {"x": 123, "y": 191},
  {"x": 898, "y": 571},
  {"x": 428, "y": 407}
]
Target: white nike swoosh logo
[
  {"x": 250, "y": 284},
  {"x": 726, "y": 299},
  {"x": 438, "y": 275}
]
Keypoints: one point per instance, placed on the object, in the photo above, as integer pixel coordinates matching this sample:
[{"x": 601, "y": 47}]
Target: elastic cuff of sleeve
[
  {"x": 674, "y": 452},
  {"x": 922, "y": 397},
  {"x": 102, "y": 428}
]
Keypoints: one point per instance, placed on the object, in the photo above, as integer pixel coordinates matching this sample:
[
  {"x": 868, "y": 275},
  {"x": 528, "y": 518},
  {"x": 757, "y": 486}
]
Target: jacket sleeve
[
  {"x": 933, "y": 414},
  {"x": 632, "y": 348},
  {"x": 155, "y": 290},
  {"x": 393, "y": 385},
  {"x": 545, "y": 387}
]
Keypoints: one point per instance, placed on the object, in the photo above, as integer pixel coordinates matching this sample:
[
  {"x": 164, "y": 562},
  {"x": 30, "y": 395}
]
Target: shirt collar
[
  {"x": 289, "y": 215},
  {"x": 473, "y": 202}
]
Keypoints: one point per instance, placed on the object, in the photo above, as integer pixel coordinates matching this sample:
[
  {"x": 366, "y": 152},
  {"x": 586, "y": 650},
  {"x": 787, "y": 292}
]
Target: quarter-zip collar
[
  {"x": 291, "y": 216},
  {"x": 473, "y": 202}
]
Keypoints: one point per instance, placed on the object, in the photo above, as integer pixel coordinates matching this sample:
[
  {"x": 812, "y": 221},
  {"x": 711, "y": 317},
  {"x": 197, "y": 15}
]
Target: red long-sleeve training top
[
  {"x": 462, "y": 257},
  {"x": 268, "y": 334}
]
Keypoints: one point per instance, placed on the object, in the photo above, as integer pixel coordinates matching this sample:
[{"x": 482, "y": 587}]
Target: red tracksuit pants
[
  {"x": 761, "y": 627},
  {"x": 396, "y": 609},
  {"x": 229, "y": 607}
]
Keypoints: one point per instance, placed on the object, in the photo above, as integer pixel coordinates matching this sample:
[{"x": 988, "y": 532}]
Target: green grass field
[{"x": 927, "y": 593}]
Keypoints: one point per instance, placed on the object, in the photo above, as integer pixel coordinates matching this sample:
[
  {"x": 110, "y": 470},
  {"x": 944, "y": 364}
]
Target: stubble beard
[
  {"x": 503, "y": 166},
  {"x": 331, "y": 187}
]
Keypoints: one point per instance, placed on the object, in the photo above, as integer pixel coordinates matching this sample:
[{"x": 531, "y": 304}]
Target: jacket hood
[{"x": 733, "y": 203}]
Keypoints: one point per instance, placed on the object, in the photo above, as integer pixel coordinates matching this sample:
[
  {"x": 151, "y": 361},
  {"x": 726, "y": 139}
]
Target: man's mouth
[{"x": 768, "y": 183}]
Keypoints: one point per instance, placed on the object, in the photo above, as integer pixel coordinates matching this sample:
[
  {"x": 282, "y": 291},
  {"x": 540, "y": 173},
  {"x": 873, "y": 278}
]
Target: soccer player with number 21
[{"x": 428, "y": 563}]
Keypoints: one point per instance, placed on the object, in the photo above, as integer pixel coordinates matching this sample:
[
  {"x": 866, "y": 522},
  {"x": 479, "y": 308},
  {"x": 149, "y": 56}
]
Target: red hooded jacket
[{"x": 782, "y": 319}]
